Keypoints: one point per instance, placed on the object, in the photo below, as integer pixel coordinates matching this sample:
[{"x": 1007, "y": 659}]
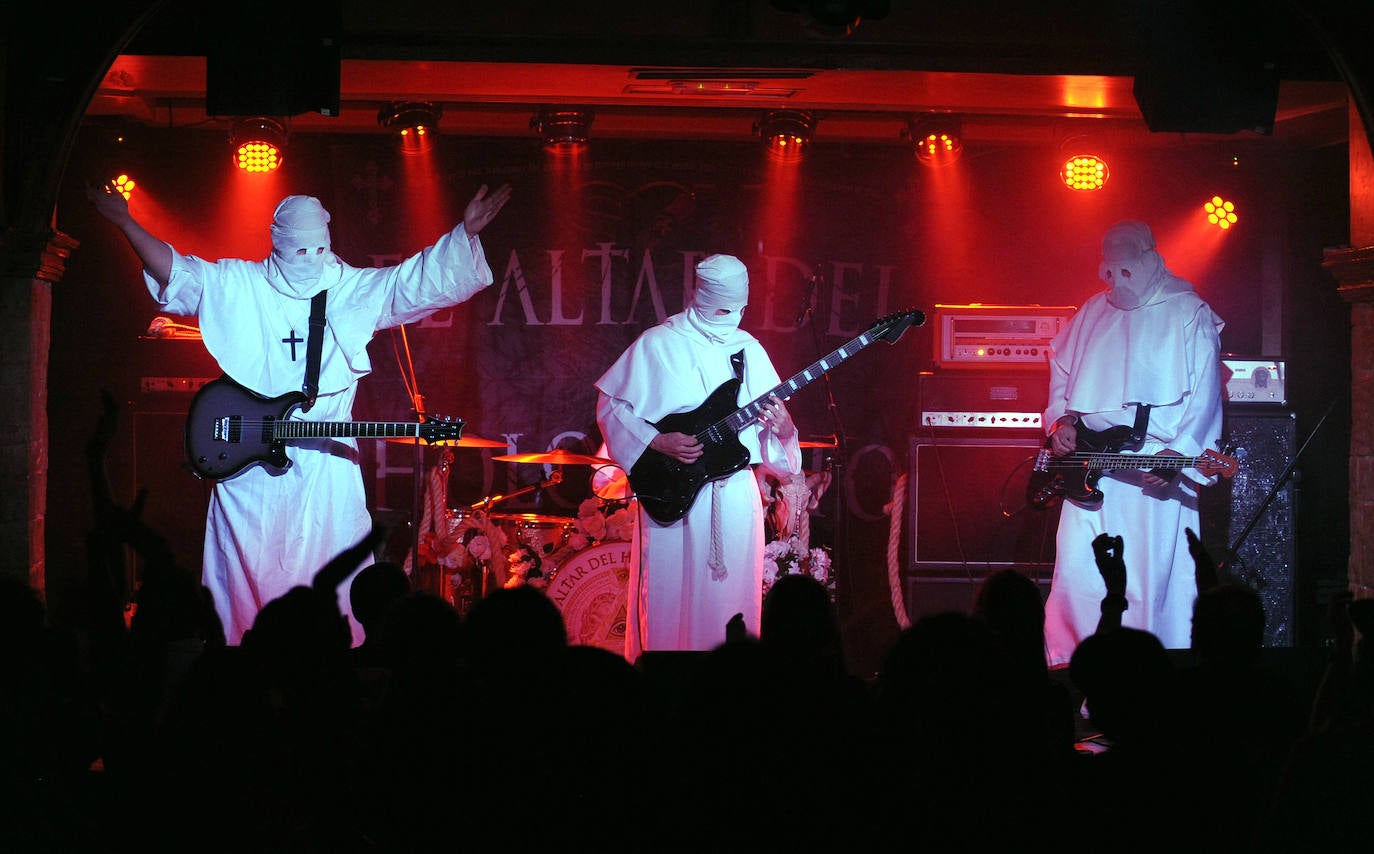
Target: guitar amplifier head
[
  {"x": 998, "y": 400},
  {"x": 997, "y": 336},
  {"x": 1254, "y": 381}
]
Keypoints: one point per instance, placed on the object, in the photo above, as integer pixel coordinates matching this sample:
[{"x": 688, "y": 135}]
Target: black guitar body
[
  {"x": 666, "y": 488},
  {"x": 219, "y": 444},
  {"x": 1080, "y": 485}
]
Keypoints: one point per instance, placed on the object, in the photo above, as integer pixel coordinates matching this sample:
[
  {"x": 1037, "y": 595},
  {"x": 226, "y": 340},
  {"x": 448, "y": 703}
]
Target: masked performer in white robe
[
  {"x": 270, "y": 530},
  {"x": 690, "y": 577},
  {"x": 1148, "y": 339}
]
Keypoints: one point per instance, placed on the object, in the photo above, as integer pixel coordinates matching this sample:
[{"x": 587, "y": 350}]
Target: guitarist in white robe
[
  {"x": 688, "y": 578},
  {"x": 266, "y": 531},
  {"x": 1148, "y": 339}
]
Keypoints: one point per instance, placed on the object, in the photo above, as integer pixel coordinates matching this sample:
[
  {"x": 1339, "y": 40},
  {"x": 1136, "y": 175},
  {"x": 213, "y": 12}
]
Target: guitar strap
[
  {"x": 715, "y": 557},
  {"x": 315, "y": 341}
]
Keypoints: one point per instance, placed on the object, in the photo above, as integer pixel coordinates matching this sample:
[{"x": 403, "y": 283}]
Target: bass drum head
[{"x": 589, "y": 587}]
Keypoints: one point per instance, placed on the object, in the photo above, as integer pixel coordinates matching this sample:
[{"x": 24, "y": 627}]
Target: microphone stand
[
  {"x": 839, "y": 525},
  {"x": 1232, "y": 551}
]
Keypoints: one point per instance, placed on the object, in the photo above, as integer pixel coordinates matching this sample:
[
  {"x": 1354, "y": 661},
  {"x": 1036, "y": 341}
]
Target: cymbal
[
  {"x": 819, "y": 444},
  {"x": 461, "y": 442},
  {"x": 556, "y": 457}
]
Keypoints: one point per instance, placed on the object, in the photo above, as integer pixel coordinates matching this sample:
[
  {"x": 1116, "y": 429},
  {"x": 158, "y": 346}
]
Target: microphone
[{"x": 816, "y": 277}]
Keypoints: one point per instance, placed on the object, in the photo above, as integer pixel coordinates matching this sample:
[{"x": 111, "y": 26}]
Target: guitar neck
[
  {"x": 293, "y": 429},
  {"x": 817, "y": 369},
  {"x": 1116, "y": 462}
]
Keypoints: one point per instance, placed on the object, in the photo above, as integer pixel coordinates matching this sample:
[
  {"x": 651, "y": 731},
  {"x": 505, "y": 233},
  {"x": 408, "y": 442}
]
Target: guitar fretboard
[
  {"x": 1115, "y": 462},
  {"x": 741, "y": 417},
  {"x": 335, "y": 429}
]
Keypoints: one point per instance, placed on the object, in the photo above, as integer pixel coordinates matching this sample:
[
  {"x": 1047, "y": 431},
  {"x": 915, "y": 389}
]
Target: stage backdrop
[{"x": 592, "y": 250}]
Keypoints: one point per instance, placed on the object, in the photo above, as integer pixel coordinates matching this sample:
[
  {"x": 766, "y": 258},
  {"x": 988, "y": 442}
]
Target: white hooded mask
[
  {"x": 722, "y": 282},
  {"x": 1131, "y": 265},
  {"x": 300, "y": 247}
]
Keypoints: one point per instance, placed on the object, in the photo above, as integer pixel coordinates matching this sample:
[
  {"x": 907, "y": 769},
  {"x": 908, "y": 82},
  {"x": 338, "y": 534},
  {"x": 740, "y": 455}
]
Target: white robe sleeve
[{"x": 625, "y": 433}]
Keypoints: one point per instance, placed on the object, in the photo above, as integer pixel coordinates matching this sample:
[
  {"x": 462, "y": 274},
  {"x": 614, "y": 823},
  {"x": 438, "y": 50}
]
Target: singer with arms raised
[{"x": 690, "y": 576}]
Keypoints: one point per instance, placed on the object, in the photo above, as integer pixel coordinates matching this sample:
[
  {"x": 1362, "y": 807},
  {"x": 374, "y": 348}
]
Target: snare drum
[
  {"x": 544, "y": 534},
  {"x": 589, "y": 588}
]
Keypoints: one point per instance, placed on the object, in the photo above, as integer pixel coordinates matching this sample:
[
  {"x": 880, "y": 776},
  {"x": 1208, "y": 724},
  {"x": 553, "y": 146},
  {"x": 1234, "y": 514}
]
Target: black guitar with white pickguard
[
  {"x": 1074, "y": 476},
  {"x": 230, "y": 427},
  {"x": 666, "y": 487}
]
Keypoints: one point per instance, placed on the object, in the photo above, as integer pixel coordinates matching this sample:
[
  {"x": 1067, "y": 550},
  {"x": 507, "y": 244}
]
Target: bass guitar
[
  {"x": 667, "y": 488},
  {"x": 1075, "y": 475},
  {"x": 230, "y": 427}
]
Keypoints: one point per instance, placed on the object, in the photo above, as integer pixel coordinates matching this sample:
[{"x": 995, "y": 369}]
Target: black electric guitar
[
  {"x": 230, "y": 428},
  {"x": 667, "y": 488},
  {"x": 1075, "y": 475}
]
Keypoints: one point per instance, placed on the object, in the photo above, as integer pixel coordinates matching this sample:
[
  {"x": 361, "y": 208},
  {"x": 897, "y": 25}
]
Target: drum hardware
[
  {"x": 485, "y": 504},
  {"x": 461, "y": 442},
  {"x": 556, "y": 457}
]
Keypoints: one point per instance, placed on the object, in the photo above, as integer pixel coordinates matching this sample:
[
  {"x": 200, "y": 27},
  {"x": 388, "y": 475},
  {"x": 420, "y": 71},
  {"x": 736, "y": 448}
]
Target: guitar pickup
[{"x": 982, "y": 420}]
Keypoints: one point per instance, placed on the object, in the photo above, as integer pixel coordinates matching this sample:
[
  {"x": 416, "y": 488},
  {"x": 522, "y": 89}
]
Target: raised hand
[
  {"x": 108, "y": 202},
  {"x": 1205, "y": 567},
  {"x": 484, "y": 207},
  {"x": 1107, "y": 551}
]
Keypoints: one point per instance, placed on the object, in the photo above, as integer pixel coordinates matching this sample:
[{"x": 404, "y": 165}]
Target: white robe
[
  {"x": 267, "y": 532},
  {"x": 675, "y": 600},
  {"x": 1166, "y": 354}
]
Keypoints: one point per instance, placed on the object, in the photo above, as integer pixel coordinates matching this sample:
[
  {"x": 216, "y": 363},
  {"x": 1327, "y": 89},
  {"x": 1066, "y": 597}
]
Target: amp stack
[
  {"x": 173, "y": 364},
  {"x": 1253, "y": 511},
  {"x": 980, "y": 426}
]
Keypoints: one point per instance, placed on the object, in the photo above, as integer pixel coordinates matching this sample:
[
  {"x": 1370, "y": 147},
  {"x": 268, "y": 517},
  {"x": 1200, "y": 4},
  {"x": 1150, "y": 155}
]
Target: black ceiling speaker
[
  {"x": 1206, "y": 67},
  {"x": 281, "y": 59}
]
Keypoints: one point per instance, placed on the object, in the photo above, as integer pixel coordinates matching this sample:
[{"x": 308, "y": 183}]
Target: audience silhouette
[{"x": 494, "y": 731}]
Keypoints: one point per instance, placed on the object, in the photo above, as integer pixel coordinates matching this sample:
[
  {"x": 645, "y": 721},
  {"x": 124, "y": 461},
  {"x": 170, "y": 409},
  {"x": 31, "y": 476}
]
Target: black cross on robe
[{"x": 293, "y": 341}]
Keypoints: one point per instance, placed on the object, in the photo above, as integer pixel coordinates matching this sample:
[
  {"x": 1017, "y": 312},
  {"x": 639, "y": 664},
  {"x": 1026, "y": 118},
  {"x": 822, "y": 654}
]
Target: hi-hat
[
  {"x": 556, "y": 457},
  {"x": 461, "y": 442}
]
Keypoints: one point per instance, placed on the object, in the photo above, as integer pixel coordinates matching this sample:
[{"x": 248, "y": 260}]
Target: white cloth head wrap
[
  {"x": 722, "y": 282},
  {"x": 1131, "y": 265},
  {"x": 300, "y": 222}
]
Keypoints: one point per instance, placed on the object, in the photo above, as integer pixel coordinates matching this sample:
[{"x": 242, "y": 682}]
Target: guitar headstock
[
  {"x": 442, "y": 428},
  {"x": 1216, "y": 463},
  {"x": 892, "y": 326}
]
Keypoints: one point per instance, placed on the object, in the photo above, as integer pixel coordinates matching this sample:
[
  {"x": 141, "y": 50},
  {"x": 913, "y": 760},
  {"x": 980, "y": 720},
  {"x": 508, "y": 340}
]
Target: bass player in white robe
[
  {"x": 689, "y": 578},
  {"x": 270, "y": 531},
  {"x": 1148, "y": 339}
]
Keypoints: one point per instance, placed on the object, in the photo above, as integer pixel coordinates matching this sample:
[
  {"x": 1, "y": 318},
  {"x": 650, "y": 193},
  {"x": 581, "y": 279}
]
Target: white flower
[
  {"x": 480, "y": 547},
  {"x": 620, "y": 525}
]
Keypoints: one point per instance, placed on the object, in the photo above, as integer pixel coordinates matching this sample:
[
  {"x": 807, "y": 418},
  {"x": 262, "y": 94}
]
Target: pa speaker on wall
[
  {"x": 967, "y": 507},
  {"x": 277, "y": 59},
  {"x": 1247, "y": 520},
  {"x": 1206, "y": 67}
]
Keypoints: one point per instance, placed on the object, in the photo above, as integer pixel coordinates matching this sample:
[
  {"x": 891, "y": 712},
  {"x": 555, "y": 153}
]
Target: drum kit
[
  {"x": 588, "y": 584},
  {"x": 542, "y": 538}
]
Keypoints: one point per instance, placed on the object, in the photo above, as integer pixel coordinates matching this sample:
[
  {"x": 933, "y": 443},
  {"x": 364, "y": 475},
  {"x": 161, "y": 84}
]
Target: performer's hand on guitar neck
[
  {"x": 680, "y": 446},
  {"x": 774, "y": 416}
]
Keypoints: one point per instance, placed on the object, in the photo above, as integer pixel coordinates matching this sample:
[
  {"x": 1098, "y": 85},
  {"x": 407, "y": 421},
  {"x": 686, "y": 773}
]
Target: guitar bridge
[{"x": 227, "y": 429}]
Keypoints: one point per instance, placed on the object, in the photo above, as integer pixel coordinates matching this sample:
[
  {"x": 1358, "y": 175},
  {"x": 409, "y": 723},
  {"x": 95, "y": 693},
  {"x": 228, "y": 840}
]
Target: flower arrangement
[
  {"x": 462, "y": 552},
  {"x": 789, "y": 557},
  {"x": 599, "y": 521}
]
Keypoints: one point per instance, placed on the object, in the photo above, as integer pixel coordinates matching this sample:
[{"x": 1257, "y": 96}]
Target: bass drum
[{"x": 589, "y": 588}]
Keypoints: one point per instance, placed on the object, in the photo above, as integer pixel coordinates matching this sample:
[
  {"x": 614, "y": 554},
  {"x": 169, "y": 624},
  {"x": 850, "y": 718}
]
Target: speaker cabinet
[
  {"x": 967, "y": 507},
  {"x": 176, "y": 499},
  {"x": 1250, "y": 514},
  {"x": 955, "y": 589}
]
